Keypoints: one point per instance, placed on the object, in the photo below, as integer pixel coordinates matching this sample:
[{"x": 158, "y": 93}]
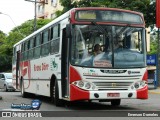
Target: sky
[{"x": 18, "y": 11}]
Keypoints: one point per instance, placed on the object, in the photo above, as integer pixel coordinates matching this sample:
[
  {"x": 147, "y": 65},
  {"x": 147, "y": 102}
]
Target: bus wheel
[
  {"x": 23, "y": 93},
  {"x": 116, "y": 102},
  {"x": 57, "y": 101}
]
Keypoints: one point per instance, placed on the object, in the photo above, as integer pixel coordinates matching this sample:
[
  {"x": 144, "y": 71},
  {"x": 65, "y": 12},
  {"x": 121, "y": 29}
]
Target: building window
[{"x": 54, "y": 3}]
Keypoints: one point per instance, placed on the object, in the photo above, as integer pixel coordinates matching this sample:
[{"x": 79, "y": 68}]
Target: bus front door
[
  {"x": 17, "y": 68},
  {"x": 65, "y": 65}
]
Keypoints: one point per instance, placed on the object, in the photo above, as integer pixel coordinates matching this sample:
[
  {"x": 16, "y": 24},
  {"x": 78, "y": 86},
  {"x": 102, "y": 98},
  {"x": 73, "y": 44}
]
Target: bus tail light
[{"x": 74, "y": 75}]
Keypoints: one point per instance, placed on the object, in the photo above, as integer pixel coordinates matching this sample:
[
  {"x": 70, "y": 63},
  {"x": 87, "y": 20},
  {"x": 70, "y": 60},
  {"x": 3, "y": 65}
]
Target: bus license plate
[{"x": 113, "y": 95}]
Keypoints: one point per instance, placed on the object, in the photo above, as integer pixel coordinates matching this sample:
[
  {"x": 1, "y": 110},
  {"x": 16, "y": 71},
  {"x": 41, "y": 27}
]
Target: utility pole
[{"x": 35, "y": 12}]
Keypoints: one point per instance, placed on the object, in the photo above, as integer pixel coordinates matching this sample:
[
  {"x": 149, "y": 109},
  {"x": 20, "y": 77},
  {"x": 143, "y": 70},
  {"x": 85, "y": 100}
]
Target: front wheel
[
  {"x": 115, "y": 102},
  {"x": 57, "y": 101}
]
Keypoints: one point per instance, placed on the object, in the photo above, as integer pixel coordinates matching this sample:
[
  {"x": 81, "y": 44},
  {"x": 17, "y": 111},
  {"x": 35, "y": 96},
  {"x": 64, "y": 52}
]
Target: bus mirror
[{"x": 68, "y": 30}]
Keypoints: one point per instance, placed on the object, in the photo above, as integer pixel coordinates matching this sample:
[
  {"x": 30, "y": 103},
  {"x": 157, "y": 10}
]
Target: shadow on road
[{"x": 82, "y": 105}]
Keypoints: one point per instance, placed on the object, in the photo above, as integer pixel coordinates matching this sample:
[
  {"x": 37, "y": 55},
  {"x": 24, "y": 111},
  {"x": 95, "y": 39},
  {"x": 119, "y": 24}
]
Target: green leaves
[{"x": 17, "y": 34}]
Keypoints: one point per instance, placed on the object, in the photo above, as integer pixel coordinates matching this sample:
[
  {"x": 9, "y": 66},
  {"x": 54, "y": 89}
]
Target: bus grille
[{"x": 113, "y": 82}]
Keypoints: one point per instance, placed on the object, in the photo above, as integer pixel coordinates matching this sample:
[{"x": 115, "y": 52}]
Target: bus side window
[
  {"x": 45, "y": 44},
  {"x": 22, "y": 50},
  {"x": 37, "y": 47},
  {"x": 14, "y": 56},
  {"x": 30, "y": 52},
  {"x": 25, "y": 53},
  {"x": 55, "y": 33}
]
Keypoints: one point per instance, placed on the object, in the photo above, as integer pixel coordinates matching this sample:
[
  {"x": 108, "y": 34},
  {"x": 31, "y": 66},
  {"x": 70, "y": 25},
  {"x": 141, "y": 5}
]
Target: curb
[
  {"x": 152, "y": 92},
  {"x": 156, "y": 91}
]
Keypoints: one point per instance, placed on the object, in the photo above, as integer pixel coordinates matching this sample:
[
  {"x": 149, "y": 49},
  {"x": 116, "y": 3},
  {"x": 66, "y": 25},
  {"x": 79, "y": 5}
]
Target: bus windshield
[{"x": 108, "y": 46}]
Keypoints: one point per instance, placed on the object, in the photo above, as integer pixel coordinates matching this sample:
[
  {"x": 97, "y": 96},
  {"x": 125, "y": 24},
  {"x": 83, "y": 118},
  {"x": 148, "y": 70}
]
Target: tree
[
  {"x": 143, "y": 6},
  {"x": 6, "y": 43},
  {"x": 2, "y": 37}
]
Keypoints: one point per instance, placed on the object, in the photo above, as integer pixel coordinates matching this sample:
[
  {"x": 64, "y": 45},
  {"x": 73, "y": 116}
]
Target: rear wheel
[{"x": 116, "y": 102}]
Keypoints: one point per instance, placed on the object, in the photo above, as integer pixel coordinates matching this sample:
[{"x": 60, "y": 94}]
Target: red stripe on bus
[
  {"x": 142, "y": 93},
  {"x": 74, "y": 75},
  {"x": 78, "y": 94}
]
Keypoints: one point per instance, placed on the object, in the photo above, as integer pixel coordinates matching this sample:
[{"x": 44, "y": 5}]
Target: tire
[
  {"x": 5, "y": 88},
  {"x": 116, "y": 102},
  {"x": 52, "y": 91},
  {"x": 58, "y": 102}
]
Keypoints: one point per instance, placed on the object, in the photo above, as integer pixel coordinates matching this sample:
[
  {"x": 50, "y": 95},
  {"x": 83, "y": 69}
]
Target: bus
[{"x": 59, "y": 61}]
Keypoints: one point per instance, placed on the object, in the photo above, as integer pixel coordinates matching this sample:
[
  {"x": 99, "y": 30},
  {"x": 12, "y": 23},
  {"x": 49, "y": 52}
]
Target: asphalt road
[
  {"x": 152, "y": 104},
  {"x": 92, "y": 110}
]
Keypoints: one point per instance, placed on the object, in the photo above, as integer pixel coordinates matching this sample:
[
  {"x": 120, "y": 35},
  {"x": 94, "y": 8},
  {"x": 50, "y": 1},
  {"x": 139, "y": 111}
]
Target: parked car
[{"x": 6, "y": 81}]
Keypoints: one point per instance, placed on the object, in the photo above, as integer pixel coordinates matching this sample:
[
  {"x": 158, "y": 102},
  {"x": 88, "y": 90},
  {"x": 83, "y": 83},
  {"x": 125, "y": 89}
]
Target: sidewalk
[{"x": 154, "y": 91}]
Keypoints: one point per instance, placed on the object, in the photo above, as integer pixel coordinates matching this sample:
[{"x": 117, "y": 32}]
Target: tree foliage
[
  {"x": 143, "y": 6},
  {"x": 17, "y": 34}
]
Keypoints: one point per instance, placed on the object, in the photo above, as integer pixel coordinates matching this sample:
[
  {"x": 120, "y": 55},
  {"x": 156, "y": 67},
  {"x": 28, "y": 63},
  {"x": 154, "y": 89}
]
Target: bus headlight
[
  {"x": 136, "y": 85},
  {"x": 87, "y": 85},
  {"x": 81, "y": 84},
  {"x": 142, "y": 83}
]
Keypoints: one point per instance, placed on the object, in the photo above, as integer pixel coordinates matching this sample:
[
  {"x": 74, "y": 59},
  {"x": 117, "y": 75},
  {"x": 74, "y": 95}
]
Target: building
[{"x": 47, "y": 8}]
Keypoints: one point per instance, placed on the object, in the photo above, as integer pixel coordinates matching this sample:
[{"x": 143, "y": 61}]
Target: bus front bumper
[{"x": 79, "y": 94}]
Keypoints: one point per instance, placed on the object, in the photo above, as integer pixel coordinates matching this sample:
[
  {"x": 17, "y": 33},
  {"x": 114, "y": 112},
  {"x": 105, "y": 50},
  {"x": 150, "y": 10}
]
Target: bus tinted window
[
  {"x": 45, "y": 45},
  {"x": 55, "y": 41},
  {"x": 55, "y": 46},
  {"x": 38, "y": 40},
  {"x": 45, "y": 36},
  {"x": 30, "y": 52},
  {"x": 37, "y": 49},
  {"x": 55, "y": 32},
  {"x": 25, "y": 53}
]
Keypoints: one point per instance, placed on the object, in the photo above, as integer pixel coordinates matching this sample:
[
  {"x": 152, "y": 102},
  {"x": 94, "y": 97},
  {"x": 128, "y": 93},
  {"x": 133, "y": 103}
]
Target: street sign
[{"x": 151, "y": 59}]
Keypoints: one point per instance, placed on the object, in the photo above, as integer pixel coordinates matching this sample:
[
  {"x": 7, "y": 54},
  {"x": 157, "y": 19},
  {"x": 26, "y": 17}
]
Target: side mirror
[{"x": 68, "y": 30}]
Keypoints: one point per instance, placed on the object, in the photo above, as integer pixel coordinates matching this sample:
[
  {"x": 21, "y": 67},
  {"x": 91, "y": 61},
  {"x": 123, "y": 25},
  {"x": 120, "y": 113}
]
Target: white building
[{"x": 47, "y": 8}]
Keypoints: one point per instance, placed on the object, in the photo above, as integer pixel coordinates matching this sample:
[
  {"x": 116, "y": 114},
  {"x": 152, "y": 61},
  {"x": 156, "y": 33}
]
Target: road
[{"x": 152, "y": 104}]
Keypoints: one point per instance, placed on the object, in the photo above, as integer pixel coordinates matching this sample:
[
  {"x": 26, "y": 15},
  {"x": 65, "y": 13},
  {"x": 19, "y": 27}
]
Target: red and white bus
[{"x": 58, "y": 60}]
